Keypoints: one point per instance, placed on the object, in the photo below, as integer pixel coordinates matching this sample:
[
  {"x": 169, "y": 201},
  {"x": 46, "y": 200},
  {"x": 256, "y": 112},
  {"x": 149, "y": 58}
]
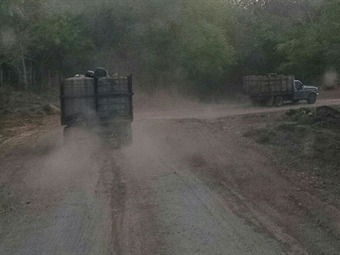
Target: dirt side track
[{"x": 187, "y": 185}]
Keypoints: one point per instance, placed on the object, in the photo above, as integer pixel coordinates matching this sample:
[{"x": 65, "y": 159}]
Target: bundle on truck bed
[
  {"x": 101, "y": 102},
  {"x": 275, "y": 89}
]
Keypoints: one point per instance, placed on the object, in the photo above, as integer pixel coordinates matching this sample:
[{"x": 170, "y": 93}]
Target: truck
[
  {"x": 99, "y": 103},
  {"x": 274, "y": 90}
]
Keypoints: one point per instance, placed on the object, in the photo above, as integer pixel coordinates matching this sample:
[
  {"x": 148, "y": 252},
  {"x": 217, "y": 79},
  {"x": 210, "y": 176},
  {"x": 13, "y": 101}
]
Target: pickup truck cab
[{"x": 304, "y": 92}]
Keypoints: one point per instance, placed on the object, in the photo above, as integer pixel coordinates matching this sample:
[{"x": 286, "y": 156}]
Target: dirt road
[{"x": 191, "y": 183}]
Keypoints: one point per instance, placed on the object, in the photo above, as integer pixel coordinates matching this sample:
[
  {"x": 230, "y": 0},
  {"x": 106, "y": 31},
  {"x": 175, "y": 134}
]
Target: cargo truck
[
  {"x": 98, "y": 103},
  {"x": 274, "y": 90}
]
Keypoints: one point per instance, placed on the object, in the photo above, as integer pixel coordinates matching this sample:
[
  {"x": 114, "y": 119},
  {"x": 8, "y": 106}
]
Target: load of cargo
[
  {"x": 100, "y": 102},
  {"x": 275, "y": 89}
]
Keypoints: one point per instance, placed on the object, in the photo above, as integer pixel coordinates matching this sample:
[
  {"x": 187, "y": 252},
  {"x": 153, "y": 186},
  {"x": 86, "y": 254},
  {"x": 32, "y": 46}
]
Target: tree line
[{"x": 197, "y": 46}]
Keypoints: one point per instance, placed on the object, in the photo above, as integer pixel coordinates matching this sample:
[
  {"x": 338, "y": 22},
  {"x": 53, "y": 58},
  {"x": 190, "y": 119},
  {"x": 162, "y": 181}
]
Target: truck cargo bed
[
  {"x": 101, "y": 105},
  {"x": 268, "y": 85},
  {"x": 90, "y": 100}
]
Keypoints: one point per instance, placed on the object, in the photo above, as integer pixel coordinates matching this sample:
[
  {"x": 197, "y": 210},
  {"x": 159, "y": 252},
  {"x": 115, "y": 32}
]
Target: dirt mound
[
  {"x": 308, "y": 141},
  {"x": 328, "y": 116},
  {"x": 322, "y": 116}
]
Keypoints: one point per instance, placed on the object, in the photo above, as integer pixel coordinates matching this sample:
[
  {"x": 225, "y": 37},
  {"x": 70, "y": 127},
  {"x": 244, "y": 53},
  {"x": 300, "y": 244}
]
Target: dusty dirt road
[{"x": 191, "y": 183}]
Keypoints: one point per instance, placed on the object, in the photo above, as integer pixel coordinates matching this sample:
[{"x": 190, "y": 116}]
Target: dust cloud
[
  {"x": 72, "y": 164},
  {"x": 63, "y": 203},
  {"x": 155, "y": 138},
  {"x": 331, "y": 79}
]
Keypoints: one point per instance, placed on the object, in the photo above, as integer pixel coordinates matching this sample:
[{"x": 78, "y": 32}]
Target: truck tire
[
  {"x": 311, "y": 99},
  {"x": 278, "y": 101},
  {"x": 254, "y": 102},
  {"x": 270, "y": 101},
  {"x": 263, "y": 102}
]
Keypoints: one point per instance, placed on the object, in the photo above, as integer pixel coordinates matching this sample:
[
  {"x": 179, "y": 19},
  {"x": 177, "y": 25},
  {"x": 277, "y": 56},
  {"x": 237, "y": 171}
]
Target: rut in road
[
  {"x": 170, "y": 211},
  {"x": 185, "y": 186},
  {"x": 60, "y": 199},
  {"x": 197, "y": 186}
]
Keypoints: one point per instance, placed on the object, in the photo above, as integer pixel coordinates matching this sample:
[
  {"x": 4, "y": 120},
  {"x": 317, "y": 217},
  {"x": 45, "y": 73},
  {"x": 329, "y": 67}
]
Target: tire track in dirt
[
  {"x": 63, "y": 204},
  {"x": 187, "y": 217},
  {"x": 183, "y": 187},
  {"x": 260, "y": 217},
  {"x": 231, "y": 166}
]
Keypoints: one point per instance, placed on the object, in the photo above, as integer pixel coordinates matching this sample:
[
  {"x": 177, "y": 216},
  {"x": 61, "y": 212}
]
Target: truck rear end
[{"x": 101, "y": 104}]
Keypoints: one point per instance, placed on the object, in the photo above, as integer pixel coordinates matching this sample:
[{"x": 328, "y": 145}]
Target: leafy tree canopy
[{"x": 206, "y": 46}]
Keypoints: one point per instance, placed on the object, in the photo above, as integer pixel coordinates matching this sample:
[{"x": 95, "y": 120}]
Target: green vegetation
[{"x": 195, "y": 45}]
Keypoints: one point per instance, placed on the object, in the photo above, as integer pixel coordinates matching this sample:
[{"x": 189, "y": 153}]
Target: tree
[
  {"x": 314, "y": 47},
  {"x": 58, "y": 39},
  {"x": 16, "y": 33}
]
